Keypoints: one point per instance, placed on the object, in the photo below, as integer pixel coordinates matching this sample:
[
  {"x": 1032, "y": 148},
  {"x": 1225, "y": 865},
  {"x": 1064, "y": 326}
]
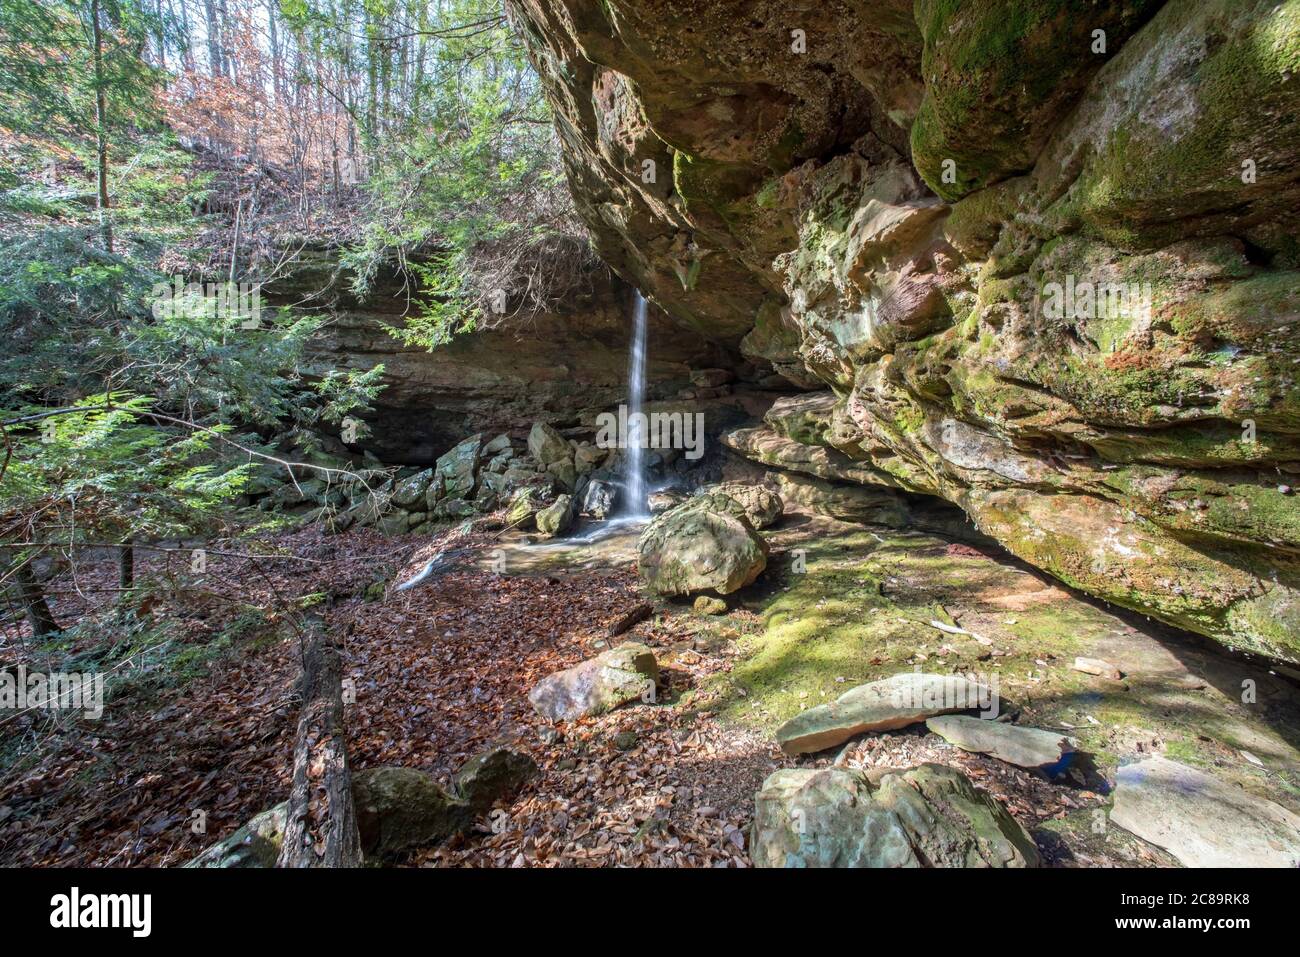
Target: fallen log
[
  {"x": 321, "y": 820},
  {"x": 631, "y": 619}
]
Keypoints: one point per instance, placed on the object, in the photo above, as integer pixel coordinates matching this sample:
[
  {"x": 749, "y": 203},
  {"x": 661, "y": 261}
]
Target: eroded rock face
[
  {"x": 762, "y": 506},
  {"x": 929, "y": 816},
  {"x": 1053, "y": 282},
  {"x": 567, "y": 365}
]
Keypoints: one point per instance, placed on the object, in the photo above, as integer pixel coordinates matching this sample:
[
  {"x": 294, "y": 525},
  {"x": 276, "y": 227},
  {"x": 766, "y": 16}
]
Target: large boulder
[
  {"x": 413, "y": 489},
  {"x": 705, "y": 543},
  {"x": 401, "y": 808},
  {"x": 599, "y": 498},
  {"x": 547, "y": 445},
  {"x": 929, "y": 816},
  {"x": 1202, "y": 820},
  {"x": 884, "y": 705},
  {"x": 762, "y": 506},
  {"x": 625, "y": 673},
  {"x": 493, "y": 775},
  {"x": 456, "y": 471}
]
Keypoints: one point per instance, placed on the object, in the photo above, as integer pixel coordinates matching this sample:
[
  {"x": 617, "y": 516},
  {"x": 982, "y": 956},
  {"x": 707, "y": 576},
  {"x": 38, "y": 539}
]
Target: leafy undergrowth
[
  {"x": 207, "y": 723},
  {"x": 201, "y": 714}
]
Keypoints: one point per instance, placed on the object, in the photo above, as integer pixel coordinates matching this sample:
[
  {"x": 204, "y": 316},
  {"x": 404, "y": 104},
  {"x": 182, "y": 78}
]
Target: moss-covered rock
[
  {"x": 1040, "y": 254},
  {"x": 930, "y": 816},
  {"x": 706, "y": 543},
  {"x": 256, "y": 844},
  {"x": 401, "y": 808}
]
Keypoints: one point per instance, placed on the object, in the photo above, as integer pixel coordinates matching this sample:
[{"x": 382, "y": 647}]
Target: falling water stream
[
  {"x": 636, "y": 504},
  {"x": 613, "y": 540}
]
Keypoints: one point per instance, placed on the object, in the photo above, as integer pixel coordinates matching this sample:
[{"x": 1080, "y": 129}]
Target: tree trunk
[
  {"x": 216, "y": 61},
  {"x": 33, "y": 598},
  {"x": 321, "y": 825},
  {"x": 101, "y": 128},
  {"x": 277, "y": 67},
  {"x": 126, "y": 566}
]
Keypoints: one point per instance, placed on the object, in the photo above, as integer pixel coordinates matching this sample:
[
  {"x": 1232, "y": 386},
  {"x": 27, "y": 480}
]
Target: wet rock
[
  {"x": 1024, "y": 747},
  {"x": 882, "y": 705},
  {"x": 1202, "y": 820},
  {"x": 706, "y": 543},
  {"x": 663, "y": 500},
  {"x": 625, "y": 673},
  {"x": 599, "y": 499},
  {"x": 929, "y": 816},
  {"x": 556, "y": 518}
]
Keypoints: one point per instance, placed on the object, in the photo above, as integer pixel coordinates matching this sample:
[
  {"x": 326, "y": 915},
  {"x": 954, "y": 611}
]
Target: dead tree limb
[{"x": 321, "y": 827}]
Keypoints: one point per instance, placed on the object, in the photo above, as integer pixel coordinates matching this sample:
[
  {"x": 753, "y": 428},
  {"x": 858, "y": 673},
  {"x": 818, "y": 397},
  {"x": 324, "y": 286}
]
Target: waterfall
[{"x": 636, "y": 439}]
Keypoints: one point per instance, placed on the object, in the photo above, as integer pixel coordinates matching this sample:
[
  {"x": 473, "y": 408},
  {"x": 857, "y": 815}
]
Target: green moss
[
  {"x": 995, "y": 74},
  {"x": 711, "y": 183},
  {"x": 974, "y": 224},
  {"x": 1205, "y": 444},
  {"x": 1244, "y": 96},
  {"x": 909, "y": 418}
]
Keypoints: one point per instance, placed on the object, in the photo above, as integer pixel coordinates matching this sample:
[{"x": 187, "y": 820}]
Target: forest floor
[{"x": 201, "y": 714}]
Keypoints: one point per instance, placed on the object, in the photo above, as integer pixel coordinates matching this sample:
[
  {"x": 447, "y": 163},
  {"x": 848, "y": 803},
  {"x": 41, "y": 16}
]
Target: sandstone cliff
[
  {"x": 563, "y": 367},
  {"x": 1040, "y": 256}
]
